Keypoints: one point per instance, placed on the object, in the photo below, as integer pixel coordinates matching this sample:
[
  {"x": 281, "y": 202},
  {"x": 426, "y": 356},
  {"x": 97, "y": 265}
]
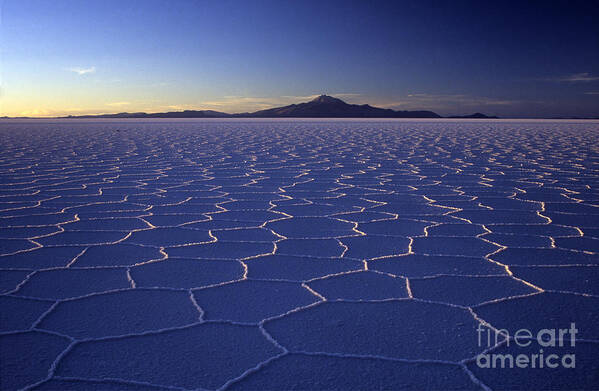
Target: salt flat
[{"x": 295, "y": 254}]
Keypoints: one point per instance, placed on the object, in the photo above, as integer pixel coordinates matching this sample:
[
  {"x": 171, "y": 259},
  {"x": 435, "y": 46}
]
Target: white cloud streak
[
  {"x": 583, "y": 77},
  {"x": 444, "y": 101},
  {"x": 82, "y": 71}
]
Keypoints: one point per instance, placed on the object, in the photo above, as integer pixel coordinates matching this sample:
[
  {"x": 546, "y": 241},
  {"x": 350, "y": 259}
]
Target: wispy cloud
[
  {"x": 303, "y": 98},
  {"x": 463, "y": 99},
  {"x": 174, "y": 108},
  {"x": 424, "y": 101},
  {"x": 118, "y": 103},
  {"x": 346, "y": 95},
  {"x": 583, "y": 77},
  {"x": 592, "y": 93},
  {"x": 299, "y": 98},
  {"x": 238, "y": 103},
  {"x": 82, "y": 71}
]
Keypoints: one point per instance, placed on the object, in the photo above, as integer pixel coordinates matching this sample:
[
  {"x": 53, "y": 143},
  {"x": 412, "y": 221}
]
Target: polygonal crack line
[
  {"x": 116, "y": 380},
  {"x": 508, "y": 271},
  {"x": 252, "y": 370},
  {"x": 20, "y": 284},
  {"x": 469, "y": 309},
  {"x": 497, "y": 332},
  {"x": 571, "y": 293},
  {"x": 54, "y": 365},
  {"x": 38, "y": 246},
  {"x": 460, "y": 364},
  {"x": 74, "y": 342}
]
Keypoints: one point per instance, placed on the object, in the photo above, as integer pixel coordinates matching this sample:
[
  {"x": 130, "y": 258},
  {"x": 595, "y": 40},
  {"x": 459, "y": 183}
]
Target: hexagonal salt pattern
[{"x": 337, "y": 255}]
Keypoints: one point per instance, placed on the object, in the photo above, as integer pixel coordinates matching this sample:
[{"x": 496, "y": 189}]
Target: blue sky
[{"x": 454, "y": 57}]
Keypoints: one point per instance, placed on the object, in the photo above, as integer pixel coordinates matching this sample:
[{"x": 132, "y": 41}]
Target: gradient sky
[{"x": 512, "y": 59}]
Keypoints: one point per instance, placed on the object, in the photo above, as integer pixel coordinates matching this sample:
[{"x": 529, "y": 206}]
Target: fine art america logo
[{"x": 525, "y": 338}]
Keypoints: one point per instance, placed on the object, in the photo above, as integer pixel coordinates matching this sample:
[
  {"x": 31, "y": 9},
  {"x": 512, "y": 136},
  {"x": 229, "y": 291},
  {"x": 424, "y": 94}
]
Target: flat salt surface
[{"x": 295, "y": 254}]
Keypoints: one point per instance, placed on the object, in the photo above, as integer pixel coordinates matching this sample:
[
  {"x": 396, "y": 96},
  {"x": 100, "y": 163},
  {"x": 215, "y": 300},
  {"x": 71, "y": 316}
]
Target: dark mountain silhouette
[
  {"x": 170, "y": 114},
  {"x": 475, "y": 115},
  {"x": 327, "y": 106},
  {"x": 323, "y": 106}
]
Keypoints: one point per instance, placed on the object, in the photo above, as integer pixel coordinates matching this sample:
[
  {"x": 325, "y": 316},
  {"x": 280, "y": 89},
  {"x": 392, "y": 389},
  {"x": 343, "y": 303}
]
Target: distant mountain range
[
  {"x": 323, "y": 106},
  {"x": 327, "y": 106},
  {"x": 475, "y": 116},
  {"x": 169, "y": 114}
]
